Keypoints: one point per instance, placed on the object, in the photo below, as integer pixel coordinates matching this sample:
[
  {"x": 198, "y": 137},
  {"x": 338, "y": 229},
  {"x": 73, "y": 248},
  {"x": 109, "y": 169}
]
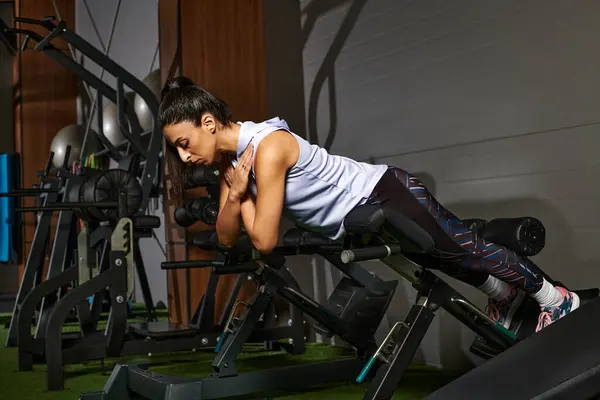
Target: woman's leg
[{"x": 501, "y": 267}]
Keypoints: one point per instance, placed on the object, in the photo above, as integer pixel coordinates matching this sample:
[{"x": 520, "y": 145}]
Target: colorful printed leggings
[{"x": 398, "y": 189}]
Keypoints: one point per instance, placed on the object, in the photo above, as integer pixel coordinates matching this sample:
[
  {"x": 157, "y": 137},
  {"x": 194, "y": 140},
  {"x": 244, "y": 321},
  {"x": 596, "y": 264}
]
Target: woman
[{"x": 269, "y": 172}]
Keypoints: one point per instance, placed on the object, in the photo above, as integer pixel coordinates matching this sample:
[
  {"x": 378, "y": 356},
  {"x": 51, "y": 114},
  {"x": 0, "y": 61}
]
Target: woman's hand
[
  {"x": 227, "y": 169},
  {"x": 238, "y": 180}
]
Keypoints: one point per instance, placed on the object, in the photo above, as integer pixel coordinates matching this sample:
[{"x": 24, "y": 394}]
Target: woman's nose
[{"x": 184, "y": 155}]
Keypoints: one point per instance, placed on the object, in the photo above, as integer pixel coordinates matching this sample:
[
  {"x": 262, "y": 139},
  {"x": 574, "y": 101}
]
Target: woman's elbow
[
  {"x": 225, "y": 240},
  {"x": 264, "y": 246}
]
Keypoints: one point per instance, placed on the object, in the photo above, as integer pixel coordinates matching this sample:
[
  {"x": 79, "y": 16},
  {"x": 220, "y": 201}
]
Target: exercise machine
[
  {"x": 397, "y": 238},
  {"x": 51, "y": 198},
  {"x": 353, "y": 312},
  {"x": 373, "y": 233},
  {"x": 143, "y": 149}
]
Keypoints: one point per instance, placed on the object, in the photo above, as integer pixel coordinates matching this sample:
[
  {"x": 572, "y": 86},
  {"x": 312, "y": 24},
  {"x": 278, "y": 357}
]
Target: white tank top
[{"x": 320, "y": 189}]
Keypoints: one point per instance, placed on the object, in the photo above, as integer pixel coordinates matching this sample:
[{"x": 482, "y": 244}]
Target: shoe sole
[
  {"x": 513, "y": 309},
  {"x": 576, "y": 302}
]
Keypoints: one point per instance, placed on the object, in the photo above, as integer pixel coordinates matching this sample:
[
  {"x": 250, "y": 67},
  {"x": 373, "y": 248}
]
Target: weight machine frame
[{"x": 151, "y": 172}]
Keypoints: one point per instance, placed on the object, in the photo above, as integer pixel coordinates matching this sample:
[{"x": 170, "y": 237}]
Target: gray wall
[
  {"x": 495, "y": 103},
  {"x": 134, "y": 47}
]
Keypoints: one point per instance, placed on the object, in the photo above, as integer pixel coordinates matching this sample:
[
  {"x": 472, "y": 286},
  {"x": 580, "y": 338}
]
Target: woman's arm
[
  {"x": 228, "y": 221},
  {"x": 274, "y": 156},
  {"x": 248, "y": 209},
  {"x": 229, "y": 217}
]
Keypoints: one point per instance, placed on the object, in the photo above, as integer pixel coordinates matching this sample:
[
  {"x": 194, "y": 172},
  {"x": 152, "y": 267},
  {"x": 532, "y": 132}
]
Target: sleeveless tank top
[{"x": 321, "y": 188}]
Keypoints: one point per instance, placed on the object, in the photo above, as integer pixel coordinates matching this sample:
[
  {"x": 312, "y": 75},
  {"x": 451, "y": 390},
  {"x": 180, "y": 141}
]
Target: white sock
[
  {"x": 495, "y": 288},
  {"x": 548, "y": 295}
]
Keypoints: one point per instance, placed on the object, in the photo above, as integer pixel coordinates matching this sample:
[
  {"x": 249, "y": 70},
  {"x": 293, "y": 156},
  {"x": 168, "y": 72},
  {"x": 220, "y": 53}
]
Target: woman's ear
[{"x": 209, "y": 123}]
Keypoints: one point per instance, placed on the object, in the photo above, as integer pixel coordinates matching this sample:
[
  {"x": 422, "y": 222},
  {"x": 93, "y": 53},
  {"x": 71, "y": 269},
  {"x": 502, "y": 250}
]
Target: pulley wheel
[{"x": 105, "y": 187}]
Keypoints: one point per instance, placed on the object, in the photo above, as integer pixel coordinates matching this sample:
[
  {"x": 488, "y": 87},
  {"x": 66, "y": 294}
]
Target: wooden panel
[
  {"x": 223, "y": 49},
  {"x": 168, "y": 37},
  {"x": 47, "y": 94}
]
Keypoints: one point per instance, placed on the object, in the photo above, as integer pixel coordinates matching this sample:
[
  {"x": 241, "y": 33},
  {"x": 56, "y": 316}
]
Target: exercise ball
[
  {"x": 110, "y": 120},
  {"x": 72, "y": 135},
  {"x": 141, "y": 108}
]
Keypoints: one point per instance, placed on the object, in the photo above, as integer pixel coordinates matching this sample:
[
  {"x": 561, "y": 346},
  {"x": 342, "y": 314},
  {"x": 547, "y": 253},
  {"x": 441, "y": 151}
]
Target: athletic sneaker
[
  {"x": 552, "y": 314},
  {"x": 502, "y": 311}
]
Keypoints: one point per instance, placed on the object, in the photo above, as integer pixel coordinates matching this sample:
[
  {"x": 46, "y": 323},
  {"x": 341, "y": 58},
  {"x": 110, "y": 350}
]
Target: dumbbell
[
  {"x": 203, "y": 209},
  {"x": 201, "y": 175}
]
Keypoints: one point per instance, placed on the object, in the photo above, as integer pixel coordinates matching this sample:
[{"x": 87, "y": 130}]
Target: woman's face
[{"x": 195, "y": 144}]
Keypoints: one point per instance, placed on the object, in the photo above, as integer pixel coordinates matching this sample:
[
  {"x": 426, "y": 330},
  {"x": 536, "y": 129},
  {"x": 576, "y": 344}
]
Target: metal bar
[
  {"x": 353, "y": 270},
  {"x": 223, "y": 364},
  {"x": 84, "y": 74},
  {"x": 296, "y": 320},
  {"x": 28, "y": 191},
  {"x": 33, "y": 267},
  {"x": 108, "y": 146},
  {"x": 410, "y": 336},
  {"x": 73, "y": 54},
  {"x": 59, "y": 260},
  {"x": 13, "y": 194},
  {"x": 204, "y": 317},
  {"x": 106, "y": 50},
  {"x": 143, "y": 278},
  {"x": 237, "y": 269},
  {"x": 306, "y": 304},
  {"x": 116, "y": 278},
  {"x": 130, "y": 379},
  {"x": 190, "y": 264},
  {"x": 150, "y": 171},
  {"x": 133, "y": 133},
  {"x": 8, "y": 38},
  {"x": 69, "y": 206},
  {"x": 488, "y": 332},
  {"x": 117, "y": 322},
  {"x": 27, "y": 343},
  {"x": 89, "y": 13},
  {"x": 231, "y": 299},
  {"x": 154, "y": 58},
  {"x": 120, "y": 146}
]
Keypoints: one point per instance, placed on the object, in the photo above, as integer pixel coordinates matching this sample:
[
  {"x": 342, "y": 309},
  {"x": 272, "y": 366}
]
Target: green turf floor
[{"x": 31, "y": 385}]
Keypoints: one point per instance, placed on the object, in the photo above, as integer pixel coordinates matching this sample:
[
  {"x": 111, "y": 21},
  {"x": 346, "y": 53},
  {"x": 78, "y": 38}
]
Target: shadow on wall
[{"x": 326, "y": 72}]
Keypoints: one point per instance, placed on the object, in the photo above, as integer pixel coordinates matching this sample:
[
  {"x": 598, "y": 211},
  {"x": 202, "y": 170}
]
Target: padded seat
[
  {"x": 300, "y": 237},
  {"x": 371, "y": 218},
  {"x": 524, "y": 235}
]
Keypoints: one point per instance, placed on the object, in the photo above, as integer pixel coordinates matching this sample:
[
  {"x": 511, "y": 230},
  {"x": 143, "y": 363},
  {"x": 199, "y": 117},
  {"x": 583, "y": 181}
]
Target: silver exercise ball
[
  {"x": 72, "y": 135},
  {"x": 110, "y": 120},
  {"x": 141, "y": 108}
]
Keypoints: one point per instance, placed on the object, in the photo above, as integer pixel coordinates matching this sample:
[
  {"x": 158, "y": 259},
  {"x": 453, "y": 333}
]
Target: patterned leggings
[{"x": 398, "y": 189}]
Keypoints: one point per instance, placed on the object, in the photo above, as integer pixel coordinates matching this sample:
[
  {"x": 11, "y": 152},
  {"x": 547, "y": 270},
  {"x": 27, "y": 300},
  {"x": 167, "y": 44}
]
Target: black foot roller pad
[{"x": 560, "y": 362}]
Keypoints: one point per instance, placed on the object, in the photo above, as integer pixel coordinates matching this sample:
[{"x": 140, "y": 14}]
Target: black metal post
[
  {"x": 33, "y": 266},
  {"x": 143, "y": 278},
  {"x": 59, "y": 260}
]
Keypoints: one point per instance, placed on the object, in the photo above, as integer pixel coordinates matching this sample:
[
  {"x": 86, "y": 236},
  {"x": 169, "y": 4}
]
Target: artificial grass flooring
[{"x": 89, "y": 377}]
